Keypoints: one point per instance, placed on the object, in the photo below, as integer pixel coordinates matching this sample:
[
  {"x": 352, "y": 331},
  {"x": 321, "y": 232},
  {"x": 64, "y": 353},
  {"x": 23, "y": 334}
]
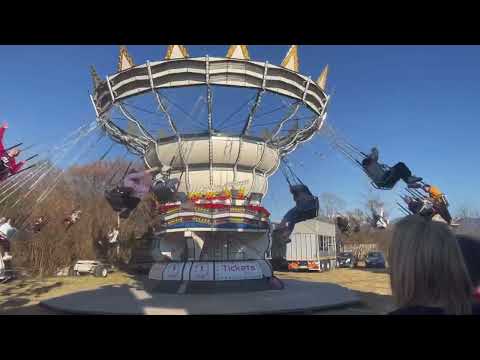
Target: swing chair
[
  {"x": 378, "y": 219},
  {"x": 166, "y": 189},
  {"x": 343, "y": 224},
  {"x": 307, "y": 205},
  {"x": 357, "y": 157},
  {"x": 420, "y": 204},
  {"x": 119, "y": 197}
]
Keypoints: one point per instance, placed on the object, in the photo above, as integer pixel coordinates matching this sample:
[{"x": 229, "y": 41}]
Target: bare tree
[
  {"x": 56, "y": 246},
  {"x": 466, "y": 211},
  {"x": 331, "y": 204}
]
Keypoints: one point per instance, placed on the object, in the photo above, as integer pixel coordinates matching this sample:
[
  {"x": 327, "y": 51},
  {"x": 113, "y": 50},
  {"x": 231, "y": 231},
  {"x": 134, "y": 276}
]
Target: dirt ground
[
  {"x": 21, "y": 297},
  {"x": 372, "y": 286}
]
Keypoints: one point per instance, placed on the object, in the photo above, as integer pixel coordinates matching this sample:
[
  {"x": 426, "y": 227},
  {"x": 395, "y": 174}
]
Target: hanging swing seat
[
  {"x": 386, "y": 183},
  {"x": 119, "y": 199},
  {"x": 307, "y": 205}
]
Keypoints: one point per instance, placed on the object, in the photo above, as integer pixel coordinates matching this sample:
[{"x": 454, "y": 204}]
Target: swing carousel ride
[
  {"x": 214, "y": 227},
  {"x": 211, "y": 164}
]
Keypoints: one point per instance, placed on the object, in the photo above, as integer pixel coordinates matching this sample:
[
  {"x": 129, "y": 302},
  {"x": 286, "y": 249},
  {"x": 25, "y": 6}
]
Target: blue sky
[{"x": 418, "y": 104}]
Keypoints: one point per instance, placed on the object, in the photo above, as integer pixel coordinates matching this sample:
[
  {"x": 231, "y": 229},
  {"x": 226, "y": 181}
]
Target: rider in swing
[
  {"x": 72, "y": 219},
  {"x": 165, "y": 189},
  {"x": 8, "y": 163},
  {"x": 387, "y": 178},
  {"x": 125, "y": 198},
  {"x": 379, "y": 220},
  {"x": 439, "y": 201}
]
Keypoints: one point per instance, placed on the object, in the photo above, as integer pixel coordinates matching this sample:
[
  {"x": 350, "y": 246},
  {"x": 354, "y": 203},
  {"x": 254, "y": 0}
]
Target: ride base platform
[{"x": 182, "y": 299}]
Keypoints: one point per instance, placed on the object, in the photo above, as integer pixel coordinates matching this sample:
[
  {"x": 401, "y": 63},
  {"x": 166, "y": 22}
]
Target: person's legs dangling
[
  {"x": 397, "y": 172},
  {"x": 403, "y": 172},
  {"x": 443, "y": 212},
  {"x": 290, "y": 218}
]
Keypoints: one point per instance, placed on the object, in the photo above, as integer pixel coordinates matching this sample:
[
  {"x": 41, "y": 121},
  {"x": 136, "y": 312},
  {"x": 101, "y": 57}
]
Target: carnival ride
[
  {"x": 211, "y": 165},
  {"x": 215, "y": 227}
]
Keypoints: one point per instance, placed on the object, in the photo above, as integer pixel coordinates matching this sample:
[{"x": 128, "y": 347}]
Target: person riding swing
[
  {"x": 385, "y": 177},
  {"x": 72, "y": 219},
  {"x": 38, "y": 224},
  {"x": 166, "y": 189},
  {"x": 306, "y": 206},
  {"x": 379, "y": 220},
  {"x": 439, "y": 201},
  {"x": 343, "y": 224},
  {"x": 422, "y": 207},
  {"x": 8, "y": 163},
  {"x": 126, "y": 197}
]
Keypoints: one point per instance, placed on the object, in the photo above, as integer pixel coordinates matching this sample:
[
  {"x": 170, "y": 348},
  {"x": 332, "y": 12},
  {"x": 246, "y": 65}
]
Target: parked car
[
  {"x": 347, "y": 259},
  {"x": 93, "y": 267},
  {"x": 375, "y": 259}
]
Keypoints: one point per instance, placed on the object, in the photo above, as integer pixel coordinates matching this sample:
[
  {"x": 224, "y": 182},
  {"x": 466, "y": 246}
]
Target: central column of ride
[{"x": 214, "y": 227}]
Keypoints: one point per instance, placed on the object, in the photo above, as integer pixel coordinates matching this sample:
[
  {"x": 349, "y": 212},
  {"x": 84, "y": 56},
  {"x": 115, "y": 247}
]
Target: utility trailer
[
  {"x": 93, "y": 267},
  {"x": 312, "y": 252}
]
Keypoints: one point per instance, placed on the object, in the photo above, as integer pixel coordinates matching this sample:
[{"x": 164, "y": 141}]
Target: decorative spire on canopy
[
  {"x": 291, "y": 59},
  {"x": 322, "y": 79},
  {"x": 238, "y": 52},
  {"x": 125, "y": 61},
  {"x": 96, "y": 79},
  {"x": 176, "y": 52}
]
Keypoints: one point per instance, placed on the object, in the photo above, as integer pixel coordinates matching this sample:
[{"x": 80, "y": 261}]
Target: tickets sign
[{"x": 237, "y": 270}]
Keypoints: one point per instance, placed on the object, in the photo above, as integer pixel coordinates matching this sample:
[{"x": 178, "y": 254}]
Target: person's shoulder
[{"x": 418, "y": 310}]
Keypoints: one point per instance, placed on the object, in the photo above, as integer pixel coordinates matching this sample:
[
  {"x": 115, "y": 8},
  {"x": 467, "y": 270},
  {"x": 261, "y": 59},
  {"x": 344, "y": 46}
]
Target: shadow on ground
[
  {"x": 29, "y": 310},
  {"x": 125, "y": 299},
  {"x": 21, "y": 293},
  {"x": 369, "y": 304},
  {"x": 374, "y": 270},
  {"x": 144, "y": 296},
  {"x": 30, "y": 288}
]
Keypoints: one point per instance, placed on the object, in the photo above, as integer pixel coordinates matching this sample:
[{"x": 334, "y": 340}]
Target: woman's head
[{"x": 427, "y": 267}]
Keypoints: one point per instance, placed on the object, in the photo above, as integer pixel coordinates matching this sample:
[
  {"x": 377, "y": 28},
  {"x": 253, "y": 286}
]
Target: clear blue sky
[{"x": 419, "y": 104}]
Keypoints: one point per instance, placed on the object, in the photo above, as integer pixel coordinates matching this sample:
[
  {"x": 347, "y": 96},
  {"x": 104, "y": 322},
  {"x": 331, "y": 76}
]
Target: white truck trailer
[{"x": 312, "y": 246}]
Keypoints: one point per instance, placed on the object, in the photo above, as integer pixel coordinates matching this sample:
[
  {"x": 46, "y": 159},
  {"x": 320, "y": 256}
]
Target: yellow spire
[
  {"x": 322, "y": 79},
  {"x": 291, "y": 59},
  {"x": 125, "y": 61},
  {"x": 238, "y": 52},
  {"x": 176, "y": 52}
]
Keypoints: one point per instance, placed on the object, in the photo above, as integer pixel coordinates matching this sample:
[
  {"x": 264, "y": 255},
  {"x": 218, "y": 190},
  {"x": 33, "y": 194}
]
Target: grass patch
[{"x": 28, "y": 292}]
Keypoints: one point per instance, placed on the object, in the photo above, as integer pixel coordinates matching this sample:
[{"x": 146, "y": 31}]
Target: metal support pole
[
  {"x": 209, "y": 93},
  {"x": 110, "y": 89},
  {"x": 257, "y": 102}
]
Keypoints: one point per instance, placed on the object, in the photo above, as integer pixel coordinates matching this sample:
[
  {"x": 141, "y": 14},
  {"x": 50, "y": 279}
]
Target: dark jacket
[
  {"x": 470, "y": 248},
  {"x": 424, "y": 310}
]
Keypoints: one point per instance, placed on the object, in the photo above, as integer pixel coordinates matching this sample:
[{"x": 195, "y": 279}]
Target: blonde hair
[{"x": 427, "y": 267}]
